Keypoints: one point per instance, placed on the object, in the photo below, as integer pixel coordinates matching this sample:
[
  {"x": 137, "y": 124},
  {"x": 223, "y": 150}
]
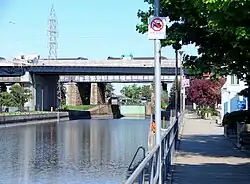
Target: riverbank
[{"x": 16, "y": 118}]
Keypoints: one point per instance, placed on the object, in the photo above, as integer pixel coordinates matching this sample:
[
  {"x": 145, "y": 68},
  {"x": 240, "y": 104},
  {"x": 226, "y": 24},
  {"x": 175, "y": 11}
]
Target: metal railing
[
  {"x": 148, "y": 171},
  {"x": 132, "y": 167}
]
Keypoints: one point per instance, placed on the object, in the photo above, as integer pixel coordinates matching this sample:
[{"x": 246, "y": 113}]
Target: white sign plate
[{"x": 157, "y": 28}]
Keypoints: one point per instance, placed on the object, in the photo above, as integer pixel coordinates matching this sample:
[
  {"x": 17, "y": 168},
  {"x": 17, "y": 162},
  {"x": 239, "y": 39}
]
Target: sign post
[{"x": 156, "y": 32}]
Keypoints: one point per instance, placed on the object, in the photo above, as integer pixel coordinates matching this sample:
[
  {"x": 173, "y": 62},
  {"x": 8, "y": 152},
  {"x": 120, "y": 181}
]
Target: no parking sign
[{"x": 157, "y": 28}]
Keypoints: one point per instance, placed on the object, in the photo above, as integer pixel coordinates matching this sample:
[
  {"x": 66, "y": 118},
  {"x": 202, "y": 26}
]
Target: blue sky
[{"x": 89, "y": 29}]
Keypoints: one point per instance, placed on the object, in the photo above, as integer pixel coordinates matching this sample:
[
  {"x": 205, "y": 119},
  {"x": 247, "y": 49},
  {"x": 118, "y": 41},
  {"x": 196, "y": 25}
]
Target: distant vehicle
[{"x": 34, "y": 58}]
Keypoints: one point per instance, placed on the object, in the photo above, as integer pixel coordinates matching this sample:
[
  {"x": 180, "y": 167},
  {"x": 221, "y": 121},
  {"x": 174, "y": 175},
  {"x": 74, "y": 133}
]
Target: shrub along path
[{"x": 206, "y": 156}]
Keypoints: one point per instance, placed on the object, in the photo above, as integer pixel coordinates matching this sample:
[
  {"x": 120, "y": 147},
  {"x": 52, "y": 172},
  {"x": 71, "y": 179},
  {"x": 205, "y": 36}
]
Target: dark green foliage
[
  {"x": 172, "y": 95},
  {"x": 109, "y": 90},
  {"x": 232, "y": 118},
  {"x": 17, "y": 97},
  {"x": 220, "y": 30},
  {"x": 135, "y": 92}
]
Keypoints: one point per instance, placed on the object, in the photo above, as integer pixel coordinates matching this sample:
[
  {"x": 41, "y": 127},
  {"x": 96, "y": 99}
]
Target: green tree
[
  {"x": 6, "y": 99},
  {"x": 220, "y": 30},
  {"x": 135, "y": 92},
  {"x": 20, "y": 95},
  {"x": 63, "y": 94},
  {"x": 109, "y": 90},
  {"x": 132, "y": 91},
  {"x": 172, "y": 95},
  {"x": 146, "y": 91}
]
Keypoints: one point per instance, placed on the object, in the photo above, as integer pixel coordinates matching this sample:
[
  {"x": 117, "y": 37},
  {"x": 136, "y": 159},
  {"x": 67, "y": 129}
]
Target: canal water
[{"x": 73, "y": 152}]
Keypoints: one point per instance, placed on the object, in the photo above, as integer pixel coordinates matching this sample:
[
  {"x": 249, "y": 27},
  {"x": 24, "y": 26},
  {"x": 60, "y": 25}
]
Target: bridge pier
[
  {"x": 77, "y": 93},
  {"x": 97, "y": 94},
  {"x": 44, "y": 91},
  {"x": 85, "y": 93}
]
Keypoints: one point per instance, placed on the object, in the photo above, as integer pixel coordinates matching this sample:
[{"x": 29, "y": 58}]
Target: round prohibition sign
[{"x": 157, "y": 24}]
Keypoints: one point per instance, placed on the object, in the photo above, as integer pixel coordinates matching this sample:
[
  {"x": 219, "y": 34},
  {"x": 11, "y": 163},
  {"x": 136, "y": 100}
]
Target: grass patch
[{"x": 79, "y": 108}]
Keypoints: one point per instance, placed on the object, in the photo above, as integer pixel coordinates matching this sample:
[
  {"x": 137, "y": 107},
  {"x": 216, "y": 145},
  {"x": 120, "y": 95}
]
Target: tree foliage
[
  {"x": 6, "y": 99},
  {"x": 136, "y": 92},
  {"x": 220, "y": 30},
  {"x": 20, "y": 94},
  {"x": 109, "y": 90},
  {"x": 172, "y": 95},
  {"x": 205, "y": 92},
  {"x": 17, "y": 97}
]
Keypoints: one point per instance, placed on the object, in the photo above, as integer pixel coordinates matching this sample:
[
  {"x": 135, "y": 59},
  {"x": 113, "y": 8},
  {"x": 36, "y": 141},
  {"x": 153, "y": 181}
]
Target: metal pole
[
  {"x": 42, "y": 99},
  {"x": 181, "y": 81},
  {"x": 176, "y": 83},
  {"x": 157, "y": 54}
]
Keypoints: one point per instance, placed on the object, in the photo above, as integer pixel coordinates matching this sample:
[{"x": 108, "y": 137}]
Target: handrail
[
  {"x": 137, "y": 151},
  {"x": 141, "y": 167},
  {"x": 168, "y": 144}
]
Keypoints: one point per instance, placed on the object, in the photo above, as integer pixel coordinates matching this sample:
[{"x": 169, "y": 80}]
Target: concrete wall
[
  {"x": 133, "y": 110},
  {"x": 31, "y": 117}
]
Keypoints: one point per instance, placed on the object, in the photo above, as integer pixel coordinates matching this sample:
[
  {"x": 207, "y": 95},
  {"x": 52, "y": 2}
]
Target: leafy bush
[
  {"x": 212, "y": 111},
  {"x": 164, "y": 105},
  {"x": 232, "y": 118}
]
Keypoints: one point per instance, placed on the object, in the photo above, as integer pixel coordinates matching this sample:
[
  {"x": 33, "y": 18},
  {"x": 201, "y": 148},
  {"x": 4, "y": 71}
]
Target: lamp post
[
  {"x": 176, "y": 47},
  {"x": 42, "y": 99},
  {"x": 182, "y": 86}
]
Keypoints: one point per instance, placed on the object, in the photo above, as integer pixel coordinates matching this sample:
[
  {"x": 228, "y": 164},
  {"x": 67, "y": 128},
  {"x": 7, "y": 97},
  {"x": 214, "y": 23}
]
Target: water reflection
[{"x": 89, "y": 151}]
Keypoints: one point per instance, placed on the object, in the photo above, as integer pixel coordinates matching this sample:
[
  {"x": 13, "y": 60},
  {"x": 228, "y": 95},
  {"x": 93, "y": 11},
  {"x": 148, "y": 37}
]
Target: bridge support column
[
  {"x": 44, "y": 92},
  {"x": 73, "y": 97},
  {"x": 77, "y": 93},
  {"x": 97, "y": 94}
]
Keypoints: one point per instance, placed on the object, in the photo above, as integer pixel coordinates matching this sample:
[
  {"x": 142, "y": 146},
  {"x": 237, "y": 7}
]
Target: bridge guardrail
[{"x": 148, "y": 171}]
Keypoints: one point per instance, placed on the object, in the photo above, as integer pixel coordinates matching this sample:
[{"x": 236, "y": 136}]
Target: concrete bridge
[
  {"x": 87, "y": 67},
  {"x": 88, "y": 77}
]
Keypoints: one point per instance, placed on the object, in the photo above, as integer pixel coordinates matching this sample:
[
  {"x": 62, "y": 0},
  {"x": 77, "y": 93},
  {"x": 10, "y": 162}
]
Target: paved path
[{"x": 206, "y": 157}]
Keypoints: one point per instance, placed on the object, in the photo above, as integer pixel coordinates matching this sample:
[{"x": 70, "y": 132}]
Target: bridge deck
[{"x": 206, "y": 157}]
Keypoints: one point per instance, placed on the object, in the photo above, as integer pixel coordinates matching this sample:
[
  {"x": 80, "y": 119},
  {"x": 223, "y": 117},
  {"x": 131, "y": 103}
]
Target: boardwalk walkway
[{"x": 206, "y": 157}]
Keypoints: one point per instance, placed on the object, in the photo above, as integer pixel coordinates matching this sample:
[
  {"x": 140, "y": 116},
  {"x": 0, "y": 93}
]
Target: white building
[{"x": 229, "y": 96}]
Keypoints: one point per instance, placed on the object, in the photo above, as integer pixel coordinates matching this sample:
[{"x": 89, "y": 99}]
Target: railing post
[{"x": 177, "y": 131}]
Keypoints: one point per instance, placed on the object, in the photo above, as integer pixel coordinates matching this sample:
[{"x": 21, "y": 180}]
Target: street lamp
[
  {"x": 176, "y": 46},
  {"x": 182, "y": 86},
  {"x": 42, "y": 99}
]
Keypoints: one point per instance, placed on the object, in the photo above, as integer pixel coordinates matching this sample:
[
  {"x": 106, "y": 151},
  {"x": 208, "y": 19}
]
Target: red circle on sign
[{"x": 157, "y": 24}]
